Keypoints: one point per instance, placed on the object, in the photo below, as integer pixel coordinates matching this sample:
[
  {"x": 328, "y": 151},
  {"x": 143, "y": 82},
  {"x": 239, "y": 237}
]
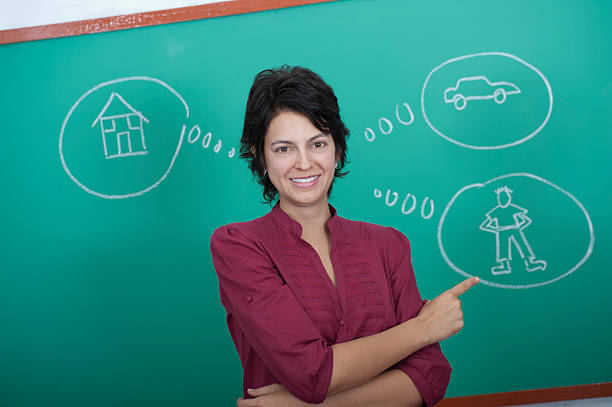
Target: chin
[{"x": 301, "y": 200}]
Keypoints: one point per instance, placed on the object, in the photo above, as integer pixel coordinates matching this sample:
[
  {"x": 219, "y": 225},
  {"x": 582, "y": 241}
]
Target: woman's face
[{"x": 300, "y": 160}]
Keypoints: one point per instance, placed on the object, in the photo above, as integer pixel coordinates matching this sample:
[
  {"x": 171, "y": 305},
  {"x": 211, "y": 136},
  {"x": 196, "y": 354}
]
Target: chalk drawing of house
[{"x": 122, "y": 128}]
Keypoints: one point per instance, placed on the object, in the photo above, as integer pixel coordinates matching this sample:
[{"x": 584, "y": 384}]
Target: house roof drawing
[{"x": 112, "y": 105}]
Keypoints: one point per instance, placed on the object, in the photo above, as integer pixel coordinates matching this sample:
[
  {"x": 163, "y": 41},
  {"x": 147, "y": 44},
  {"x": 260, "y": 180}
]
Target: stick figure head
[{"x": 503, "y": 196}]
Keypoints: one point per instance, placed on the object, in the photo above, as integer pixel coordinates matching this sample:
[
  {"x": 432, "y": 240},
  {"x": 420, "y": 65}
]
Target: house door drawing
[{"x": 123, "y": 143}]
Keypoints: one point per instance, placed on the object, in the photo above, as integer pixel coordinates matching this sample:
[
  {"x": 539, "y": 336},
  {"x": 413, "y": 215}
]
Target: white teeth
[{"x": 304, "y": 180}]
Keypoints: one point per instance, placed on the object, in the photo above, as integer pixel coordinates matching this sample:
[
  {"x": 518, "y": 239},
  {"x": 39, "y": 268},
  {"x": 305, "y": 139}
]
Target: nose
[{"x": 302, "y": 160}]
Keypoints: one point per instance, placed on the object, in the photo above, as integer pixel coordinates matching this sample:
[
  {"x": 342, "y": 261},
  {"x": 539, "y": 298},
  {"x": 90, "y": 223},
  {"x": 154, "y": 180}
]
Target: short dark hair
[{"x": 294, "y": 89}]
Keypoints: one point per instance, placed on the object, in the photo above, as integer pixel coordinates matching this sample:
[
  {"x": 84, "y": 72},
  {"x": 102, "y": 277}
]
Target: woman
[{"x": 322, "y": 309}]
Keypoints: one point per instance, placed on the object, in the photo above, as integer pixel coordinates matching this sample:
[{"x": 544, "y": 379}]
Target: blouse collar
[{"x": 294, "y": 227}]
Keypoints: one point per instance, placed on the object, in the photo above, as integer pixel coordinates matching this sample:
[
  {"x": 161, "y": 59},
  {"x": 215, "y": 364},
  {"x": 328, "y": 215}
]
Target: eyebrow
[{"x": 309, "y": 140}]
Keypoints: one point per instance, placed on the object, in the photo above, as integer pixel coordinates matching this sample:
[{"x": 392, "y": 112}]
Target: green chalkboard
[{"x": 119, "y": 160}]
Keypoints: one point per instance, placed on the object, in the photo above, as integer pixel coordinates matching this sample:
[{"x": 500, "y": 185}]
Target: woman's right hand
[{"x": 442, "y": 317}]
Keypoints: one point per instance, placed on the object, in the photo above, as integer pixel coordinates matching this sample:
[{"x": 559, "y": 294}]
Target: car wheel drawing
[
  {"x": 460, "y": 102},
  {"x": 499, "y": 96}
]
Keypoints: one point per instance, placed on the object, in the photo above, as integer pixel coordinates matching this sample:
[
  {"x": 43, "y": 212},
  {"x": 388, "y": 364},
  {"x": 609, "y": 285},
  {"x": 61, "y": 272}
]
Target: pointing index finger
[{"x": 463, "y": 286}]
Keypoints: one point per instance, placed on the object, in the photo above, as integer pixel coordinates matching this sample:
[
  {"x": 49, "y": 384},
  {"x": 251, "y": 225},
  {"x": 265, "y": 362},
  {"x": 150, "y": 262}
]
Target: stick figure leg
[
  {"x": 531, "y": 263},
  {"x": 503, "y": 267},
  {"x": 502, "y": 254}
]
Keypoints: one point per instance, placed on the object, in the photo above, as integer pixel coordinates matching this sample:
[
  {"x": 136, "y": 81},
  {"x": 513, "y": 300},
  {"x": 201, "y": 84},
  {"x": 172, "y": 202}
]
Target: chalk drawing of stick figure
[{"x": 508, "y": 221}]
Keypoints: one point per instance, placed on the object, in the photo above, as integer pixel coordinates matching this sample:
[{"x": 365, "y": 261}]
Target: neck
[{"x": 309, "y": 217}]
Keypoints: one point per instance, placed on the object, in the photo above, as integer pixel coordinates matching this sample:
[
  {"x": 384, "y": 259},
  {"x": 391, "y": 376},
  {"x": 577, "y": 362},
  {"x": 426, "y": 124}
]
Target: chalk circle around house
[
  {"x": 515, "y": 231},
  {"x": 486, "y": 101},
  {"x": 121, "y": 138}
]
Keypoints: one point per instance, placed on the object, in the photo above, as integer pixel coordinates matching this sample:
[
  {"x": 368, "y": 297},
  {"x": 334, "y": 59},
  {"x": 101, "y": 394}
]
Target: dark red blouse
[{"x": 284, "y": 313}]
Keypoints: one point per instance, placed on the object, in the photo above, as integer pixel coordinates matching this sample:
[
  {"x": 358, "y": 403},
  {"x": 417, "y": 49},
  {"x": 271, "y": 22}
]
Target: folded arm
[
  {"x": 392, "y": 388},
  {"x": 389, "y": 389}
]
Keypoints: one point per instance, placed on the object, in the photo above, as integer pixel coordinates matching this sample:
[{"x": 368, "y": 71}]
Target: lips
[{"x": 305, "y": 180}]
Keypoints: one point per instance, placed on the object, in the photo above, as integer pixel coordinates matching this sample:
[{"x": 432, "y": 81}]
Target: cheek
[
  {"x": 277, "y": 167},
  {"x": 331, "y": 160}
]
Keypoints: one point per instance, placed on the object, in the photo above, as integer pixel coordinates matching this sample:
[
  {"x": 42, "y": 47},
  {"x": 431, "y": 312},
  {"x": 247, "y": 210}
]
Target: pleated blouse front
[{"x": 284, "y": 312}]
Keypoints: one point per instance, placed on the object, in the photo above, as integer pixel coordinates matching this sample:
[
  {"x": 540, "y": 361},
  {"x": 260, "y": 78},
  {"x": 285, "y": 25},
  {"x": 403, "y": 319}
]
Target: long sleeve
[
  {"x": 428, "y": 368},
  {"x": 269, "y": 316}
]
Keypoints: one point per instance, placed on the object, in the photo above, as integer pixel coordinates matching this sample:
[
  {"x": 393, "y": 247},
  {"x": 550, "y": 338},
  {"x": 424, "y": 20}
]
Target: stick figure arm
[
  {"x": 523, "y": 220},
  {"x": 487, "y": 225}
]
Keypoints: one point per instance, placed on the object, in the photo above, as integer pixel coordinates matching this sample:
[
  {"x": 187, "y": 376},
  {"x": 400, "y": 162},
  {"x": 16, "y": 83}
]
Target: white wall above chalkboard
[{"x": 30, "y": 13}]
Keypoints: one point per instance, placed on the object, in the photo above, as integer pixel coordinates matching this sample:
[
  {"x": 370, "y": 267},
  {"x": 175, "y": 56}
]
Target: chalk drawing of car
[{"x": 478, "y": 88}]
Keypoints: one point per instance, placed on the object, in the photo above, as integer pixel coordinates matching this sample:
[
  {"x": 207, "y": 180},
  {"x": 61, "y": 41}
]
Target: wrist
[{"x": 422, "y": 330}]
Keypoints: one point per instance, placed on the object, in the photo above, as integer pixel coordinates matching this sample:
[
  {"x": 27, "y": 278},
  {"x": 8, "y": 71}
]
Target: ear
[{"x": 253, "y": 151}]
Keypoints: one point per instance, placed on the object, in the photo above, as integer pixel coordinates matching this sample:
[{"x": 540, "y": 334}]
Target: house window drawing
[{"x": 122, "y": 128}]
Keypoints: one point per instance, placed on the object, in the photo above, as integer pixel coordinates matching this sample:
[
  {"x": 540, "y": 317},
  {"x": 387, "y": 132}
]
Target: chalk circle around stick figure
[
  {"x": 472, "y": 211},
  {"x": 140, "y": 129}
]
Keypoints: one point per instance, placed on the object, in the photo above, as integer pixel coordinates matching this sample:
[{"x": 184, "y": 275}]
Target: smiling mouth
[{"x": 304, "y": 180}]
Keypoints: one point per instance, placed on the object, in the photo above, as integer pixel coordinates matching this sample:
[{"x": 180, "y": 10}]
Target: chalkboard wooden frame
[
  {"x": 586, "y": 391},
  {"x": 227, "y": 8},
  {"x": 99, "y": 25}
]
